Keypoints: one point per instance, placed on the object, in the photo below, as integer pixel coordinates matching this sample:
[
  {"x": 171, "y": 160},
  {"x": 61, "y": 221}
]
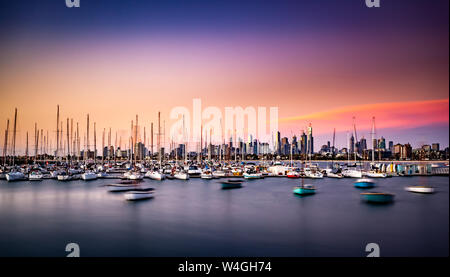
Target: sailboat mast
[
  {"x": 151, "y": 139},
  {"x": 159, "y": 136},
  {"x": 135, "y": 141},
  {"x": 57, "y": 131},
  {"x": 95, "y": 143},
  {"x": 68, "y": 140},
  {"x": 14, "y": 136},
  {"x": 35, "y": 142},
  {"x": 5, "y": 147},
  {"x": 26, "y": 149}
]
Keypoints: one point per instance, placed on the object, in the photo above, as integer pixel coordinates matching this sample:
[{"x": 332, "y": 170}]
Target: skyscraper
[
  {"x": 352, "y": 144},
  {"x": 278, "y": 144},
  {"x": 303, "y": 143},
  {"x": 310, "y": 140}
]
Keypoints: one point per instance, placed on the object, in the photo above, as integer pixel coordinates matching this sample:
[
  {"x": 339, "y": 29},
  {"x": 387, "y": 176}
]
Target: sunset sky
[{"x": 319, "y": 61}]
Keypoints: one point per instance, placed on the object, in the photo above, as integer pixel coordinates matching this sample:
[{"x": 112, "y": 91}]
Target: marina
[{"x": 198, "y": 218}]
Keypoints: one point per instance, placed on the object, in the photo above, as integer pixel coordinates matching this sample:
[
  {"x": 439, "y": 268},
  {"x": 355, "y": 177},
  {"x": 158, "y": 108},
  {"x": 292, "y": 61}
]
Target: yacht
[
  {"x": 155, "y": 175},
  {"x": 89, "y": 175},
  {"x": 15, "y": 176},
  {"x": 35, "y": 176},
  {"x": 352, "y": 173},
  {"x": 181, "y": 175},
  {"x": 277, "y": 169},
  {"x": 194, "y": 171}
]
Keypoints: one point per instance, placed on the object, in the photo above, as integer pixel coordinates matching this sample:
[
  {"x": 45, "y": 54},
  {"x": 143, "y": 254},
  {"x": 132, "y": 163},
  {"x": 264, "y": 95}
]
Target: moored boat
[
  {"x": 373, "y": 174},
  {"x": 254, "y": 175},
  {"x": 231, "y": 184},
  {"x": 138, "y": 195},
  {"x": 35, "y": 176},
  {"x": 420, "y": 189},
  {"x": 181, "y": 176},
  {"x": 364, "y": 183},
  {"x": 304, "y": 190},
  {"x": 15, "y": 176},
  {"x": 155, "y": 175},
  {"x": 89, "y": 175},
  {"x": 377, "y": 197}
]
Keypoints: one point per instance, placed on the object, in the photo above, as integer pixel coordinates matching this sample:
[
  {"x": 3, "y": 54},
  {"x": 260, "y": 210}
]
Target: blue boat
[
  {"x": 377, "y": 197},
  {"x": 364, "y": 183},
  {"x": 304, "y": 190},
  {"x": 231, "y": 184}
]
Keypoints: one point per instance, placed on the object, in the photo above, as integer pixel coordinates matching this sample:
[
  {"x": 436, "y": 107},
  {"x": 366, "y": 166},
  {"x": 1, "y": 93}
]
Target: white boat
[
  {"x": 102, "y": 174},
  {"x": 314, "y": 174},
  {"x": 63, "y": 177},
  {"x": 135, "y": 176},
  {"x": 278, "y": 169},
  {"x": 206, "y": 176},
  {"x": 252, "y": 175},
  {"x": 420, "y": 189},
  {"x": 15, "y": 176},
  {"x": 194, "y": 171},
  {"x": 89, "y": 175},
  {"x": 181, "y": 176},
  {"x": 155, "y": 175},
  {"x": 35, "y": 176},
  {"x": 373, "y": 174},
  {"x": 335, "y": 175},
  {"x": 219, "y": 173},
  {"x": 138, "y": 195},
  {"x": 351, "y": 173}
]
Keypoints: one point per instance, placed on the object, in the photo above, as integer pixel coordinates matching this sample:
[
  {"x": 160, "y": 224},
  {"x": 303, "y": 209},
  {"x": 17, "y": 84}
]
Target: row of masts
[{"x": 70, "y": 147}]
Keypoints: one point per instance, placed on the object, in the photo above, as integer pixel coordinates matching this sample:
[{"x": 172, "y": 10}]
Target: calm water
[{"x": 197, "y": 218}]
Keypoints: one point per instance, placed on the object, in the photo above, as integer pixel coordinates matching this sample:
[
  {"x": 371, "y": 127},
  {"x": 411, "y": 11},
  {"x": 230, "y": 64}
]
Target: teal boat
[
  {"x": 231, "y": 184},
  {"x": 364, "y": 183},
  {"x": 304, "y": 190},
  {"x": 377, "y": 197}
]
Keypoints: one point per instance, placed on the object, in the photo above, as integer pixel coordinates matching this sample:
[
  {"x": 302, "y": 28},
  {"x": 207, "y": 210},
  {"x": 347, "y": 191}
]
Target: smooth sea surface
[{"x": 198, "y": 218}]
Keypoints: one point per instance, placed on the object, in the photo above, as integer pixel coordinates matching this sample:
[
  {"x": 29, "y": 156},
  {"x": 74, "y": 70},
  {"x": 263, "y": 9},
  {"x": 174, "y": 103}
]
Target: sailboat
[{"x": 304, "y": 189}]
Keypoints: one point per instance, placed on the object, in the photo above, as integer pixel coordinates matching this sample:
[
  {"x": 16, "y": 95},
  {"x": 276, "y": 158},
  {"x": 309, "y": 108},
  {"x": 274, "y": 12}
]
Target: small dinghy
[
  {"x": 364, "y": 183},
  {"x": 231, "y": 184},
  {"x": 377, "y": 197},
  {"x": 123, "y": 186},
  {"x": 304, "y": 190},
  {"x": 138, "y": 195},
  {"x": 420, "y": 189}
]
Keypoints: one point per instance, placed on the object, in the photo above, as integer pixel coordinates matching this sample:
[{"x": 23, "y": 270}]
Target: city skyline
[{"x": 113, "y": 61}]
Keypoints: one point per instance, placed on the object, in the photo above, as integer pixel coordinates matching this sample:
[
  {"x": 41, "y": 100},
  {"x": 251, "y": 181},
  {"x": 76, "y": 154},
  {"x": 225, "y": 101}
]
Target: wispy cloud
[{"x": 388, "y": 115}]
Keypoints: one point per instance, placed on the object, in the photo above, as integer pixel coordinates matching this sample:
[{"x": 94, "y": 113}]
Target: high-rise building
[
  {"x": 278, "y": 143},
  {"x": 303, "y": 143},
  {"x": 362, "y": 145},
  {"x": 382, "y": 143},
  {"x": 294, "y": 145},
  {"x": 285, "y": 146},
  {"x": 391, "y": 146},
  {"x": 435, "y": 147},
  {"x": 352, "y": 144},
  {"x": 310, "y": 140}
]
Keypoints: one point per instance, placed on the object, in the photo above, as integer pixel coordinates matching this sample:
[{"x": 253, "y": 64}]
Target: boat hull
[
  {"x": 420, "y": 189},
  {"x": 304, "y": 191},
  {"x": 377, "y": 197},
  {"x": 135, "y": 196},
  {"x": 231, "y": 185}
]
